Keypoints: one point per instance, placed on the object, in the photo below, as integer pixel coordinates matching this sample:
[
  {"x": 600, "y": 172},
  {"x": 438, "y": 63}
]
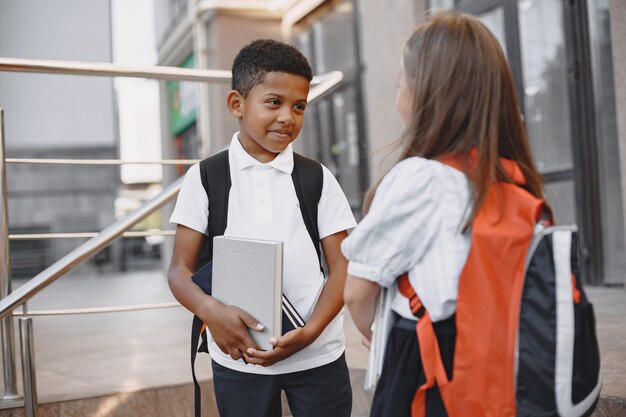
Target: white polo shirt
[{"x": 262, "y": 204}]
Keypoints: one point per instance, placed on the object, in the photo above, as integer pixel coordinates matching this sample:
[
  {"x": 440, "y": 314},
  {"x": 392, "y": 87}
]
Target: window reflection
[
  {"x": 494, "y": 20},
  {"x": 332, "y": 132},
  {"x": 544, "y": 66},
  {"x": 560, "y": 196},
  {"x": 436, "y": 5}
]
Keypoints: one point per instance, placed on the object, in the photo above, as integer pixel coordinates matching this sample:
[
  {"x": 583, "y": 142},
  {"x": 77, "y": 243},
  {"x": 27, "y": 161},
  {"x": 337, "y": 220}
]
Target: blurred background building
[
  {"x": 562, "y": 58},
  {"x": 569, "y": 63},
  {"x": 561, "y": 54},
  {"x": 51, "y": 116}
]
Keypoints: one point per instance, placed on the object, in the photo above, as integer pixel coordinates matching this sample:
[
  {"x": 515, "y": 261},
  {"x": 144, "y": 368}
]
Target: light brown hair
[{"x": 463, "y": 98}]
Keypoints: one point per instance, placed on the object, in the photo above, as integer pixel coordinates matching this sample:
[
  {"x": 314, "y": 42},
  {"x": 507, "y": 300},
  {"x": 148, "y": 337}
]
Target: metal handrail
[
  {"x": 85, "y": 250},
  {"x": 97, "y": 310},
  {"x": 44, "y": 161},
  {"x": 46, "y": 66},
  {"x": 84, "y": 235}
]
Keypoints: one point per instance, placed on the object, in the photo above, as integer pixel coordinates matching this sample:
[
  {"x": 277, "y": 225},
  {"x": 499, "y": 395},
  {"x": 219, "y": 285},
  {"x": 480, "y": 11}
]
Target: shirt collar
[{"x": 242, "y": 159}]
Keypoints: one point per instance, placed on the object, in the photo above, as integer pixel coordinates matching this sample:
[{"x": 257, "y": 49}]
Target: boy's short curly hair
[{"x": 258, "y": 58}]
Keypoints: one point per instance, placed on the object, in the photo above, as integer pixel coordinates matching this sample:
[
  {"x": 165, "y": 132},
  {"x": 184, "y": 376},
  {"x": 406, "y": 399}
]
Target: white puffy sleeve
[{"x": 400, "y": 225}]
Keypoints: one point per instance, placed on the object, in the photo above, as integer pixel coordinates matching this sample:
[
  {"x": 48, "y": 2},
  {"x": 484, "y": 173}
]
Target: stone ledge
[
  {"x": 165, "y": 402},
  {"x": 178, "y": 401}
]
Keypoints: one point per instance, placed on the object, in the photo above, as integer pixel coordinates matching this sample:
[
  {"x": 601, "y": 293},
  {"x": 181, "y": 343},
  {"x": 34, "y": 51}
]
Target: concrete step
[
  {"x": 166, "y": 402},
  {"x": 178, "y": 401}
]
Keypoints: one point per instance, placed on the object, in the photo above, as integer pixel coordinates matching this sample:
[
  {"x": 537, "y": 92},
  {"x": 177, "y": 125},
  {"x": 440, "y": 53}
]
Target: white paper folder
[{"x": 248, "y": 274}]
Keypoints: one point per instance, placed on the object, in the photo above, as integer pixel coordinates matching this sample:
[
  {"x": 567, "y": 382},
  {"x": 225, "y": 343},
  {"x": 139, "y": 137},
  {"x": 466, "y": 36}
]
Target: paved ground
[{"x": 100, "y": 354}]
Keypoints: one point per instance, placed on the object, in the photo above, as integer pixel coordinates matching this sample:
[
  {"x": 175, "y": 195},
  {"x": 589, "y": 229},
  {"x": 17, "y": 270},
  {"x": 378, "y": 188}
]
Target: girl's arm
[
  {"x": 360, "y": 297},
  {"x": 328, "y": 306}
]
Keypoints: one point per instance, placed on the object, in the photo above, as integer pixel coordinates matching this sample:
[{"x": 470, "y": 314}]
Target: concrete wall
[
  {"x": 385, "y": 25},
  {"x": 53, "y": 110},
  {"x": 618, "y": 41}
]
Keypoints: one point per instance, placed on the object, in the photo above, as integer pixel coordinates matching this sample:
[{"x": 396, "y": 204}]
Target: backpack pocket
[{"x": 558, "y": 358}]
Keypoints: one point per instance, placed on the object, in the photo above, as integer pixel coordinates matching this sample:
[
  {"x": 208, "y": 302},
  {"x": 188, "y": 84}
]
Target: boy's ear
[{"x": 235, "y": 103}]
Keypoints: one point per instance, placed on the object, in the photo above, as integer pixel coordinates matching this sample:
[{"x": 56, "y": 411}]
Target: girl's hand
[
  {"x": 229, "y": 328},
  {"x": 366, "y": 342},
  {"x": 284, "y": 346}
]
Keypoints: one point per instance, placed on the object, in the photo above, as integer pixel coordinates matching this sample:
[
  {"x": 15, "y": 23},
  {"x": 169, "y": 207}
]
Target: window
[{"x": 334, "y": 129}]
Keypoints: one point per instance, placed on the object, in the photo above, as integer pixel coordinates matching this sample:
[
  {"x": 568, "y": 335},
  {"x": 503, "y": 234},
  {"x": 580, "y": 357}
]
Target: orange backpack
[{"x": 526, "y": 342}]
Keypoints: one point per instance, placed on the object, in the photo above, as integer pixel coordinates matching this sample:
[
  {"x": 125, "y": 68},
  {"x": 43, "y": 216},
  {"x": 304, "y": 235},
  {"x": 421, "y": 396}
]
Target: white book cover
[
  {"x": 248, "y": 273},
  {"x": 381, "y": 327}
]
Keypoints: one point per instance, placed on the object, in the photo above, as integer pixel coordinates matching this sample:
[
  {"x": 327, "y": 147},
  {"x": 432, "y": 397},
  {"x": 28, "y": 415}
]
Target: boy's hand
[
  {"x": 284, "y": 346},
  {"x": 229, "y": 328}
]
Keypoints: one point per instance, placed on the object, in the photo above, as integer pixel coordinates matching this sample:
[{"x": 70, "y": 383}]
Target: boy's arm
[
  {"x": 328, "y": 306},
  {"x": 228, "y": 324},
  {"x": 360, "y": 297}
]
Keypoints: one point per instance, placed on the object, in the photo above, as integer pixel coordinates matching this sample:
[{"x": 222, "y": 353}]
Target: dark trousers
[
  {"x": 319, "y": 392},
  {"x": 402, "y": 371}
]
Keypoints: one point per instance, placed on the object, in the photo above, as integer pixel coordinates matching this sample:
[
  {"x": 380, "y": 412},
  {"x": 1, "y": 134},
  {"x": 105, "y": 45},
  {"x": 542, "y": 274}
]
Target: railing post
[
  {"x": 8, "y": 350},
  {"x": 31, "y": 408}
]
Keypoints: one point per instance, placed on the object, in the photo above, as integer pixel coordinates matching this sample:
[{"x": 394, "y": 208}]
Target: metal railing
[{"x": 11, "y": 300}]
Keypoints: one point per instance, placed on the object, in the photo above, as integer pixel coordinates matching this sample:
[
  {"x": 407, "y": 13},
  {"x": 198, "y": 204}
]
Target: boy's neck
[{"x": 263, "y": 156}]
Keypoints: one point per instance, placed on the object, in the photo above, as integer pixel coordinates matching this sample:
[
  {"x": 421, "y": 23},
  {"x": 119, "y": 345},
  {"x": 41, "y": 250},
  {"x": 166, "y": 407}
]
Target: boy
[{"x": 269, "y": 92}]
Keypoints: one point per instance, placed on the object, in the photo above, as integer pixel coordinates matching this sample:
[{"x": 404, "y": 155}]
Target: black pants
[
  {"x": 319, "y": 392},
  {"x": 402, "y": 371}
]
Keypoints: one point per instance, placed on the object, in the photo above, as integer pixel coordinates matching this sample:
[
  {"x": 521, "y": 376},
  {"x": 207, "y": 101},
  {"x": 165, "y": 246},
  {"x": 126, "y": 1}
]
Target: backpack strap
[
  {"x": 308, "y": 180},
  {"x": 215, "y": 176},
  {"x": 197, "y": 329},
  {"x": 417, "y": 308},
  {"x": 430, "y": 355}
]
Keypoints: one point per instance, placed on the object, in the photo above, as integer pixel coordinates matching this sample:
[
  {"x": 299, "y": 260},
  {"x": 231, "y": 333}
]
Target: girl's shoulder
[{"x": 420, "y": 178}]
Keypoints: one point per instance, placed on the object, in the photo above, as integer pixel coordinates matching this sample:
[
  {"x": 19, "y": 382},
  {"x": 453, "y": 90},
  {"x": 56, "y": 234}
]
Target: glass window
[
  {"x": 544, "y": 67},
  {"x": 494, "y": 20},
  {"x": 345, "y": 150},
  {"x": 441, "y": 4},
  {"x": 331, "y": 35},
  {"x": 560, "y": 197},
  {"x": 333, "y": 131}
]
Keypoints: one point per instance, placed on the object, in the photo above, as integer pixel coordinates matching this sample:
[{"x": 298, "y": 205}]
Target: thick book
[{"x": 204, "y": 279}]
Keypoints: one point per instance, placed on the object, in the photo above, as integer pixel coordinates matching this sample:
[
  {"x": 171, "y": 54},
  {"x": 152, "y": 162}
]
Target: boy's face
[{"x": 271, "y": 117}]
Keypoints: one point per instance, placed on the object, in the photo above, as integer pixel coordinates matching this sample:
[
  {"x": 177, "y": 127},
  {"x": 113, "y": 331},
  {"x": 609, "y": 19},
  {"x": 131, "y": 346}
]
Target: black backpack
[{"x": 308, "y": 181}]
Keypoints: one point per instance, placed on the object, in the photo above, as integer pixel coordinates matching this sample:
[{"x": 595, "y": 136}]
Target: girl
[{"x": 457, "y": 97}]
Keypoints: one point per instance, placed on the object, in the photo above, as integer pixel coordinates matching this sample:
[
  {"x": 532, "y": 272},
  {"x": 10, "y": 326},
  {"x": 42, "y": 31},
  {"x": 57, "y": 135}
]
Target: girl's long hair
[{"x": 463, "y": 98}]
